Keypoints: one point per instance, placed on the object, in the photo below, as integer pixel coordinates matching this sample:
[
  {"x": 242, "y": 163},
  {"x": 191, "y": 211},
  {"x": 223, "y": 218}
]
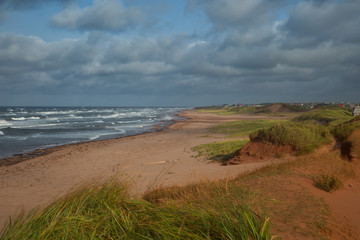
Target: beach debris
[
  {"x": 158, "y": 162},
  {"x": 153, "y": 163}
]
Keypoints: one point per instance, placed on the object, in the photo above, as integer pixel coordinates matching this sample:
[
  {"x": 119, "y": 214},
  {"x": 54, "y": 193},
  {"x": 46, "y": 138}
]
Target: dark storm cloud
[
  {"x": 313, "y": 55},
  {"x": 104, "y": 15},
  {"x": 311, "y": 23}
]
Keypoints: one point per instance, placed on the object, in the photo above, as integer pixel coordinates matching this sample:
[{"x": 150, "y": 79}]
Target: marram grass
[
  {"x": 107, "y": 212},
  {"x": 219, "y": 151},
  {"x": 303, "y": 136}
]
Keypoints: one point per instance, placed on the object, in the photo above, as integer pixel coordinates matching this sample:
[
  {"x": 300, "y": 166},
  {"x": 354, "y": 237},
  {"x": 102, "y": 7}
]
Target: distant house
[{"x": 356, "y": 111}]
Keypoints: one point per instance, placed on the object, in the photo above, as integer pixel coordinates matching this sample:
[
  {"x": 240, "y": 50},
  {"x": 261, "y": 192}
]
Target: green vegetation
[
  {"x": 219, "y": 151},
  {"x": 328, "y": 117},
  {"x": 227, "y": 110},
  {"x": 305, "y": 132},
  {"x": 107, "y": 212},
  {"x": 344, "y": 130},
  {"x": 242, "y": 128},
  {"x": 304, "y": 137},
  {"x": 328, "y": 183},
  {"x": 274, "y": 191},
  {"x": 276, "y": 109}
]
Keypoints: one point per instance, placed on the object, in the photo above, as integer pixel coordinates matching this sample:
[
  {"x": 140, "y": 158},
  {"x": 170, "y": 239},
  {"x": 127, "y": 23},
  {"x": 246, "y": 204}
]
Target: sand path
[{"x": 149, "y": 160}]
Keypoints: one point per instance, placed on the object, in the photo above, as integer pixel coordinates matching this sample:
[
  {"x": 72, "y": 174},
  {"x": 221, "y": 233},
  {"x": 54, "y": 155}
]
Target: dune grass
[
  {"x": 295, "y": 213},
  {"x": 227, "y": 110},
  {"x": 219, "y": 151},
  {"x": 243, "y": 128},
  {"x": 328, "y": 117},
  {"x": 344, "y": 130},
  {"x": 286, "y": 110},
  {"x": 107, "y": 212},
  {"x": 304, "y": 137},
  {"x": 328, "y": 183}
]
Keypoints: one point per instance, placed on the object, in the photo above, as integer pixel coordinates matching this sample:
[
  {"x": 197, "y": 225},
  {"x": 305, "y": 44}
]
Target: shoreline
[
  {"x": 42, "y": 151},
  {"x": 147, "y": 161}
]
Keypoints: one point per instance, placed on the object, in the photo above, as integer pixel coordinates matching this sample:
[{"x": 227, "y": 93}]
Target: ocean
[{"x": 24, "y": 129}]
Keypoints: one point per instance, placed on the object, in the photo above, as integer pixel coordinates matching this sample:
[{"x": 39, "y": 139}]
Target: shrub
[{"x": 327, "y": 183}]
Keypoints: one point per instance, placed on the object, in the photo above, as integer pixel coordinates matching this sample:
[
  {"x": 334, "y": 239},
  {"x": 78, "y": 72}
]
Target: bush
[{"x": 327, "y": 183}]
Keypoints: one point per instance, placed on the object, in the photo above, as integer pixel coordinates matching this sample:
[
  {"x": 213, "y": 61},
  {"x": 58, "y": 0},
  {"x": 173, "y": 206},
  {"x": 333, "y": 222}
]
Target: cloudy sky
[{"x": 178, "y": 52}]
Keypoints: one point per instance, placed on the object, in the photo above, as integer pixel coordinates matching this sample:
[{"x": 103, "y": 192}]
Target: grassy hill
[{"x": 276, "y": 109}]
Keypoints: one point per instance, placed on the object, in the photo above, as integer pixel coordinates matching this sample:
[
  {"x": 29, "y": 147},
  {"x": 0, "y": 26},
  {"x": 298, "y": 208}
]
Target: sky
[{"x": 178, "y": 52}]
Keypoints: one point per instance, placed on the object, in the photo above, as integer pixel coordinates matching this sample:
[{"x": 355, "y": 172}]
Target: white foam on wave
[
  {"x": 2, "y": 133},
  {"x": 57, "y": 112},
  {"x": 53, "y": 119},
  {"x": 115, "y": 115},
  {"x": 34, "y": 118},
  {"x": 94, "y": 137},
  {"x": 72, "y": 116},
  {"x": 120, "y": 130},
  {"x": 24, "y": 118},
  {"x": 18, "y": 119},
  {"x": 4, "y": 123},
  {"x": 9, "y": 114},
  {"x": 166, "y": 117}
]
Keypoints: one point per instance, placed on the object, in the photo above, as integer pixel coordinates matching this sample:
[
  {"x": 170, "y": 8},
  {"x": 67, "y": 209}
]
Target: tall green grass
[
  {"x": 219, "y": 151},
  {"x": 107, "y": 212},
  {"x": 227, "y": 110},
  {"x": 242, "y": 128},
  {"x": 304, "y": 137},
  {"x": 344, "y": 130},
  {"x": 328, "y": 117}
]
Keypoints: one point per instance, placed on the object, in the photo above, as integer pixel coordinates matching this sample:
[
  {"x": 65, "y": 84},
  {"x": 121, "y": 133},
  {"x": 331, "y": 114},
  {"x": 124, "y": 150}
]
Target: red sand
[{"x": 149, "y": 160}]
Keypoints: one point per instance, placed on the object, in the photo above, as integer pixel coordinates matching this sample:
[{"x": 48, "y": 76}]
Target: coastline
[
  {"x": 42, "y": 151},
  {"x": 146, "y": 161}
]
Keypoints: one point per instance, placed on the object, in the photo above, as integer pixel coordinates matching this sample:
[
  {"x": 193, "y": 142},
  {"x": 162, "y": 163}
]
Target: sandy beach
[{"x": 146, "y": 161}]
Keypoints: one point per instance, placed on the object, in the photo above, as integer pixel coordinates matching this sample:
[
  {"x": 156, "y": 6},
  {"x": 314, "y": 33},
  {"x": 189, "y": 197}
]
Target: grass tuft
[
  {"x": 107, "y": 212},
  {"x": 219, "y": 151},
  {"x": 328, "y": 183}
]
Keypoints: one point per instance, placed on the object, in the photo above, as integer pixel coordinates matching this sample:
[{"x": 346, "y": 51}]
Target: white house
[{"x": 356, "y": 111}]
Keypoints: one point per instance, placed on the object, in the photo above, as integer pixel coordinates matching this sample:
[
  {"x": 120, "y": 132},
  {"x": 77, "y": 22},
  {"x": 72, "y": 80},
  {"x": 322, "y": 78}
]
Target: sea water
[{"x": 24, "y": 129}]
